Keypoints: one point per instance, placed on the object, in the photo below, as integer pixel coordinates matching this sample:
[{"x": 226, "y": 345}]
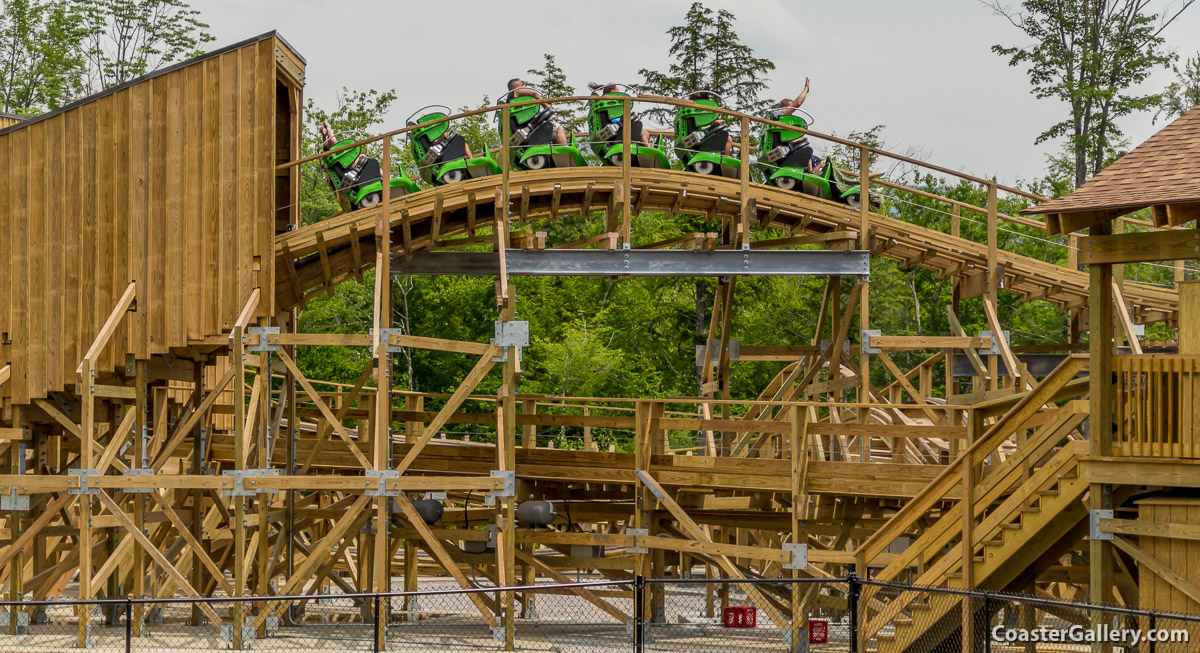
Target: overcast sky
[{"x": 933, "y": 80}]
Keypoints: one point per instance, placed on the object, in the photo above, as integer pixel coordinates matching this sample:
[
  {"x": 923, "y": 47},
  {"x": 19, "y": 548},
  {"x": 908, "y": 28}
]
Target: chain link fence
[{"x": 698, "y": 614}]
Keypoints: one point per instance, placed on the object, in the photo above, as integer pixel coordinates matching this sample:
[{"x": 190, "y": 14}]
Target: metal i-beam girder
[{"x": 640, "y": 263}]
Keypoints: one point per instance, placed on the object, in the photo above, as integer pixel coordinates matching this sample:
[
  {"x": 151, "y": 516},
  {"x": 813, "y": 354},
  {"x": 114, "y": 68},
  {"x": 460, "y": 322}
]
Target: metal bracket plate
[
  {"x": 381, "y": 476},
  {"x": 247, "y": 633},
  {"x": 22, "y": 619},
  {"x": 511, "y": 333},
  {"x": 138, "y": 472},
  {"x": 1094, "y": 522},
  {"x": 714, "y": 353},
  {"x": 799, "y": 553},
  {"x": 635, "y": 532},
  {"x": 14, "y": 501},
  {"x": 509, "y": 489},
  {"x": 240, "y": 475},
  {"x": 83, "y": 475},
  {"x": 262, "y": 333},
  {"x": 995, "y": 350},
  {"x": 866, "y": 341},
  {"x": 387, "y": 334}
]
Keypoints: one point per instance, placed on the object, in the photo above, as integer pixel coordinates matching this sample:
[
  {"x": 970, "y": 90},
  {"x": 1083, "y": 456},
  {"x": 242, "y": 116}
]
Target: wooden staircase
[
  {"x": 1020, "y": 509},
  {"x": 1015, "y": 534}
]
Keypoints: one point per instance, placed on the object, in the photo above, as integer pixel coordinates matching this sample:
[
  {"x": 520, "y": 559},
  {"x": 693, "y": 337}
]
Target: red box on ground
[
  {"x": 818, "y": 631},
  {"x": 740, "y": 617}
]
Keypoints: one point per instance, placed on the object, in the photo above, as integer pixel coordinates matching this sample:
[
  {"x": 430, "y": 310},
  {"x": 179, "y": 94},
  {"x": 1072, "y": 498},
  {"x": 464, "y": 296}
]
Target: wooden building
[
  {"x": 1144, "y": 417},
  {"x": 168, "y": 181}
]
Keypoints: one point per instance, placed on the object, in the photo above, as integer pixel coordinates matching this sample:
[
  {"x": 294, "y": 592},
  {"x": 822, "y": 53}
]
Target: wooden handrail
[
  {"x": 670, "y": 101},
  {"x": 110, "y": 326}
]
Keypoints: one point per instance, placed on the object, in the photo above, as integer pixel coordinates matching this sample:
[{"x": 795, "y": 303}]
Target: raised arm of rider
[
  {"x": 803, "y": 94},
  {"x": 525, "y": 91},
  {"x": 788, "y": 107}
]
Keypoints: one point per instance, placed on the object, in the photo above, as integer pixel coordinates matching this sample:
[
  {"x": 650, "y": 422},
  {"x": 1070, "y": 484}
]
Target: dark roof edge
[
  {"x": 1039, "y": 210},
  {"x": 151, "y": 75}
]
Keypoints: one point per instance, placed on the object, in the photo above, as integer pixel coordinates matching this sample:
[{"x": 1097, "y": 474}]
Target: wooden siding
[
  {"x": 1178, "y": 554},
  {"x": 168, "y": 181}
]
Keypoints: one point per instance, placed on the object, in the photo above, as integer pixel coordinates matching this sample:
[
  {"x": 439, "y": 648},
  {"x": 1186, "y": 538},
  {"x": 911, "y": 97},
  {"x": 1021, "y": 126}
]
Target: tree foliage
[
  {"x": 552, "y": 81},
  {"x": 53, "y": 52},
  {"x": 1091, "y": 55},
  {"x": 707, "y": 53},
  {"x": 39, "y": 63},
  {"x": 129, "y": 38},
  {"x": 1183, "y": 93}
]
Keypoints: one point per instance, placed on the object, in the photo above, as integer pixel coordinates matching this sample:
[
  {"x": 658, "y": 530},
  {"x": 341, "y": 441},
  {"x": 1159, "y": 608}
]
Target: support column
[
  {"x": 380, "y": 459},
  {"x": 506, "y": 403},
  {"x": 15, "y": 528},
  {"x": 798, "y": 454},
  {"x": 864, "y": 303},
  {"x": 237, "y": 356},
  {"x": 1102, "y": 346},
  {"x": 87, "y": 460},
  {"x": 141, "y": 424},
  {"x": 993, "y": 281},
  {"x": 263, "y": 563}
]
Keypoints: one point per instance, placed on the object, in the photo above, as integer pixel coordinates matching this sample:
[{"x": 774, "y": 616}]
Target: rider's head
[
  {"x": 787, "y": 102},
  {"x": 515, "y": 83},
  {"x": 610, "y": 88}
]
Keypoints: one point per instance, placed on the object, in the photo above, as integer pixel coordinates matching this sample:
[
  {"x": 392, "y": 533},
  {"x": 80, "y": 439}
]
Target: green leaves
[
  {"x": 1090, "y": 55},
  {"x": 41, "y": 66},
  {"x": 708, "y": 53},
  {"x": 1183, "y": 93},
  {"x": 551, "y": 79},
  {"x": 52, "y": 53}
]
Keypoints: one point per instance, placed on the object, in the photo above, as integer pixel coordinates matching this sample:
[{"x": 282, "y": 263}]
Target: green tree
[
  {"x": 1091, "y": 55},
  {"x": 708, "y": 53},
  {"x": 552, "y": 81},
  {"x": 1183, "y": 93},
  {"x": 41, "y": 68},
  {"x": 129, "y": 38}
]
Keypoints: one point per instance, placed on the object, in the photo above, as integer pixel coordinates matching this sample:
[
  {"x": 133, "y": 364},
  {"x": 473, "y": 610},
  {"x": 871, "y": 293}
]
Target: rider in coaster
[
  {"x": 703, "y": 94},
  {"x": 612, "y": 88},
  {"x": 517, "y": 89},
  {"x": 787, "y": 107}
]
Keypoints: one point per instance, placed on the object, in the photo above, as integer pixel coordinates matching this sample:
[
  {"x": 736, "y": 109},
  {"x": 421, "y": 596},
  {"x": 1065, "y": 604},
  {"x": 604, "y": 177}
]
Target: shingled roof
[{"x": 1161, "y": 172}]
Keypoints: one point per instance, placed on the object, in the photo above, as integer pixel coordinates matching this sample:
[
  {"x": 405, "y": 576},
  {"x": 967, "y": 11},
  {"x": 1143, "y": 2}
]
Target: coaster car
[
  {"x": 532, "y": 138},
  {"x": 606, "y": 131},
  {"x": 441, "y": 153},
  {"x": 701, "y": 135},
  {"x": 355, "y": 177},
  {"x": 790, "y": 165}
]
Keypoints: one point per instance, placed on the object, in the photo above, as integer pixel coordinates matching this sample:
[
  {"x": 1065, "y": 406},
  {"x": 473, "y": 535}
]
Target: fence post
[
  {"x": 852, "y": 607},
  {"x": 987, "y": 623},
  {"x": 1153, "y": 626},
  {"x": 377, "y": 638},
  {"x": 128, "y": 625},
  {"x": 639, "y": 607}
]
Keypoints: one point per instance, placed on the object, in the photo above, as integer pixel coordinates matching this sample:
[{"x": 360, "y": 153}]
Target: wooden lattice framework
[{"x": 150, "y": 337}]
